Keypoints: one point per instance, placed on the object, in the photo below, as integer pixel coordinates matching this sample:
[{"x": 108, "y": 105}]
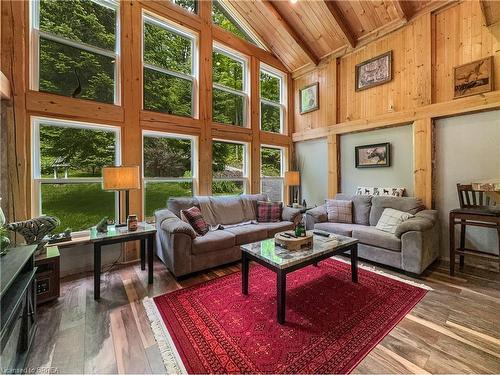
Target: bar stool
[{"x": 475, "y": 211}]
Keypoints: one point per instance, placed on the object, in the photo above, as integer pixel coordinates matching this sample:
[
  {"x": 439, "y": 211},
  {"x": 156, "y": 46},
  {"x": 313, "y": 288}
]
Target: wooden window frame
[
  {"x": 282, "y": 101},
  {"x": 246, "y": 164},
  {"x": 283, "y": 168}
]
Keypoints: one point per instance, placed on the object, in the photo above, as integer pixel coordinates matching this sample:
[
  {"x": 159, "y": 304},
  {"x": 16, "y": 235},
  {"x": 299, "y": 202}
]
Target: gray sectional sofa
[
  {"x": 183, "y": 252},
  {"x": 413, "y": 247}
]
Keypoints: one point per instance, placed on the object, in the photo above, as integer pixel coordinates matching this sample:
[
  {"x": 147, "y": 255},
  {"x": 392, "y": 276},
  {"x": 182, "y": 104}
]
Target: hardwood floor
[{"x": 454, "y": 329}]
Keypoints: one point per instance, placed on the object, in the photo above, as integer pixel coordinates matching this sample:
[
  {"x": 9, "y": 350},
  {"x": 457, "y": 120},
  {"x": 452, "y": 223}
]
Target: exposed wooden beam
[
  {"x": 292, "y": 32},
  {"x": 344, "y": 31},
  {"x": 4, "y": 87},
  {"x": 402, "y": 9},
  {"x": 491, "y": 11}
]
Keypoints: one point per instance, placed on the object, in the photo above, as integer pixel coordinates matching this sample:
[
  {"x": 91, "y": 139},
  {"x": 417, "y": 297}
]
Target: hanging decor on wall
[
  {"x": 376, "y": 155},
  {"x": 374, "y": 72},
  {"x": 473, "y": 78},
  {"x": 309, "y": 98}
]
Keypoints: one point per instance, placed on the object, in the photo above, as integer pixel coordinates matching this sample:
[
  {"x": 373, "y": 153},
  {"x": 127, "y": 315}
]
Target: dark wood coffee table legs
[
  {"x": 354, "y": 263},
  {"x": 244, "y": 273},
  {"x": 281, "y": 295},
  {"x": 97, "y": 271}
]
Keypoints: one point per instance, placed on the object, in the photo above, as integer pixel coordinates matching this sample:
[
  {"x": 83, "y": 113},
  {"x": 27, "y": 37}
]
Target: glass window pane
[
  {"x": 75, "y": 152},
  {"x": 166, "y": 49},
  {"x": 191, "y": 5},
  {"x": 80, "y": 20},
  {"x": 270, "y": 118},
  {"x": 78, "y": 206},
  {"x": 228, "y": 187},
  {"x": 167, "y": 157},
  {"x": 270, "y": 87},
  {"x": 166, "y": 93},
  {"x": 228, "y": 160},
  {"x": 73, "y": 72},
  {"x": 223, "y": 19},
  {"x": 227, "y": 71},
  {"x": 228, "y": 108},
  {"x": 271, "y": 161},
  {"x": 157, "y": 194},
  {"x": 273, "y": 188}
]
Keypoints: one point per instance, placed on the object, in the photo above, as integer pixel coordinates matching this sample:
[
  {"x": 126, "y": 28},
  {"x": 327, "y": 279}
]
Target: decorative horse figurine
[{"x": 34, "y": 230}]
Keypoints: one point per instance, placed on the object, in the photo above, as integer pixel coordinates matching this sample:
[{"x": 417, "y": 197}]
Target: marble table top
[{"x": 279, "y": 257}]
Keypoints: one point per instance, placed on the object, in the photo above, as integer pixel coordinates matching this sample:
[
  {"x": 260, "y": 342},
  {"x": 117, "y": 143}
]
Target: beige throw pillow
[
  {"x": 339, "y": 211},
  {"x": 391, "y": 218}
]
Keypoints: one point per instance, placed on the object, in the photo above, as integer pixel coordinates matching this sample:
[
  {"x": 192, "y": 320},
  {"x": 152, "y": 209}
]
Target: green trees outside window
[
  {"x": 229, "y": 163},
  {"x": 168, "y": 170},
  {"x": 272, "y": 172},
  {"x": 229, "y": 99},
  {"x": 77, "y": 42},
  {"x": 271, "y": 108},
  {"x": 221, "y": 17},
  {"x": 191, "y": 5},
  {"x": 168, "y": 69},
  {"x": 68, "y": 173}
]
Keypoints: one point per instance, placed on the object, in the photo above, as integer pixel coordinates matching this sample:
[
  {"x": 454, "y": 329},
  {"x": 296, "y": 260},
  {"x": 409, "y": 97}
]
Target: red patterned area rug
[{"x": 331, "y": 323}]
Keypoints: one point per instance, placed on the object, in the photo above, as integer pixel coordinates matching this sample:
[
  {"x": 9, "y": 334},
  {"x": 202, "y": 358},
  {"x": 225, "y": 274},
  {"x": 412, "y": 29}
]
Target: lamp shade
[
  {"x": 292, "y": 178},
  {"x": 121, "y": 178}
]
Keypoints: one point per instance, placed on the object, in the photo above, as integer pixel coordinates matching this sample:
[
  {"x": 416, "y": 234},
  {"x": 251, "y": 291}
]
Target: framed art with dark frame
[
  {"x": 309, "y": 98},
  {"x": 374, "y": 72},
  {"x": 373, "y": 156}
]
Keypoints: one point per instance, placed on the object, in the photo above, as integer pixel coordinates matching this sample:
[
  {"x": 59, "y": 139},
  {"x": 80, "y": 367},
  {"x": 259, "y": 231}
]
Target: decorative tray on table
[{"x": 289, "y": 241}]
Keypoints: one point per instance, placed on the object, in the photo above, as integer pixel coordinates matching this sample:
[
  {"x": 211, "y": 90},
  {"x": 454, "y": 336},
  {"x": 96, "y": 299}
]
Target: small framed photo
[
  {"x": 374, "y": 72},
  {"x": 372, "y": 156},
  {"x": 473, "y": 78},
  {"x": 309, "y": 98}
]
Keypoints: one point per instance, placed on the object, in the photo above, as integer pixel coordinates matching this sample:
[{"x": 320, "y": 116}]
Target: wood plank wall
[
  {"x": 424, "y": 54},
  {"x": 129, "y": 116}
]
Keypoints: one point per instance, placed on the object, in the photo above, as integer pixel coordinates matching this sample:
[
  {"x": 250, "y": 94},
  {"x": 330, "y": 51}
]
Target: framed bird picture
[{"x": 473, "y": 78}]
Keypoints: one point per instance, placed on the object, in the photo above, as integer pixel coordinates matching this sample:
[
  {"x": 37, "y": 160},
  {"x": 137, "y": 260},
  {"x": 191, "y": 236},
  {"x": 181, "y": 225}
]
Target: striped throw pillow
[
  {"x": 339, "y": 211},
  {"x": 269, "y": 212},
  {"x": 194, "y": 217},
  {"x": 390, "y": 219}
]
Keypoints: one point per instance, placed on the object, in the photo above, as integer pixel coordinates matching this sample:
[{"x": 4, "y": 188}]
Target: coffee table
[{"x": 282, "y": 261}]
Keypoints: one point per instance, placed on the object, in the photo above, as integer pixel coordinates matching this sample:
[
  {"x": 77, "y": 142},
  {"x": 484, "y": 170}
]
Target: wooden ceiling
[{"x": 300, "y": 34}]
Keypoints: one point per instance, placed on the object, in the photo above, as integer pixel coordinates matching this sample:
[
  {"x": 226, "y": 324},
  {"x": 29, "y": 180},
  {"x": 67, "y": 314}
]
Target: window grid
[
  {"x": 38, "y": 181},
  {"x": 38, "y": 34},
  {"x": 281, "y": 104},
  {"x": 191, "y": 179}
]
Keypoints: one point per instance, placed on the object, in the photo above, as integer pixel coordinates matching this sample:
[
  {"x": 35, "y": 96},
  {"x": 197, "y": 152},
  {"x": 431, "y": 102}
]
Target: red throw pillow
[
  {"x": 195, "y": 219},
  {"x": 269, "y": 212}
]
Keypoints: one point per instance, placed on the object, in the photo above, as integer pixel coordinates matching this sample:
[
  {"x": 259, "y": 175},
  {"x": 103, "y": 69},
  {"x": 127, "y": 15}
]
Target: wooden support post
[
  {"x": 422, "y": 160},
  {"x": 205, "y": 140},
  {"x": 255, "y": 125},
  {"x": 333, "y": 165}
]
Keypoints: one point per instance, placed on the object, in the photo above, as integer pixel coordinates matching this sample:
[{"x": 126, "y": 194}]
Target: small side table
[
  {"x": 48, "y": 284},
  {"x": 145, "y": 233}
]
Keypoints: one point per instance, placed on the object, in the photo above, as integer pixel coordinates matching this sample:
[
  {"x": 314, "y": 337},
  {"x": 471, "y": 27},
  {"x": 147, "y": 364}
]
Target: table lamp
[
  {"x": 121, "y": 178},
  {"x": 292, "y": 179}
]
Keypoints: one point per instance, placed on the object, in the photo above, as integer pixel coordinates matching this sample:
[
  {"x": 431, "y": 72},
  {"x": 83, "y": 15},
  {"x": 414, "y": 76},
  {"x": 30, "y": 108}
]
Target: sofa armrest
[
  {"x": 291, "y": 214},
  {"x": 422, "y": 221},
  {"x": 316, "y": 215},
  {"x": 167, "y": 221},
  {"x": 419, "y": 248}
]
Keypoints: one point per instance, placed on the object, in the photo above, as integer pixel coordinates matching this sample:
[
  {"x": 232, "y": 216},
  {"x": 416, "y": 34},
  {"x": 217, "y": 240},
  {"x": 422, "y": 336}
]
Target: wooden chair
[{"x": 475, "y": 211}]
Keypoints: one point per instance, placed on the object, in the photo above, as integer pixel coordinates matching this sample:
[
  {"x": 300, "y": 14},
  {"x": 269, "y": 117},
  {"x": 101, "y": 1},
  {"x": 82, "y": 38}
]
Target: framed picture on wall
[
  {"x": 309, "y": 98},
  {"x": 372, "y": 156},
  {"x": 473, "y": 78},
  {"x": 374, "y": 72}
]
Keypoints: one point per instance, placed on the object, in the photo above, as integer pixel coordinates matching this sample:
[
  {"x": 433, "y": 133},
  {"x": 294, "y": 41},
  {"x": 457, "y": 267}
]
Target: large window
[
  {"x": 168, "y": 169},
  {"x": 229, "y": 168},
  {"x": 271, "y": 101},
  {"x": 230, "y": 91},
  {"x": 191, "y": 5},
  {"x": 67, "y": 162},
  {"x": 221, "y": 16},
  {"x": 272, "y": 171},
  {"x": 169, "y": 68},
  {"x": 75, "y": 45}
]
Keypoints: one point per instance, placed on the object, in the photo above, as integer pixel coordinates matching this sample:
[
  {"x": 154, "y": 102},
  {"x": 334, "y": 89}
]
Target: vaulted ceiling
[{"x": 303, "y": 32}]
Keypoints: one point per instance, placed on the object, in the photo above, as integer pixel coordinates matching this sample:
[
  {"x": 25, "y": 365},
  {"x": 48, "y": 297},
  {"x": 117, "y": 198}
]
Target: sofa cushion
[
  {"x": 273, "y": 228},
  {"x": 374, "y": 237},
  {"x": 175, "y": 205},
  {"x": 406, "y": 204},
  {"x": 249, "y": 202},
  {"x": 337, "y": 228},
  {"x": 248, "y": 233},
  {"x": 339, "y": 211},
  {"x": 213, "y": 241},
  {"x": 227, "y": 210},
  {"x": 361, "y": 206},
  {"x": 390, "y": 220}
]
